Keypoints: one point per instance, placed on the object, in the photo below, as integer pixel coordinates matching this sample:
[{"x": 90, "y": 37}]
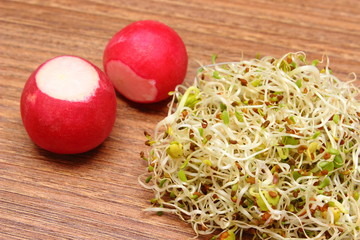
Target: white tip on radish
[
  {"x": 140, "y": 89},
  {"x": 68, "y": 78}
]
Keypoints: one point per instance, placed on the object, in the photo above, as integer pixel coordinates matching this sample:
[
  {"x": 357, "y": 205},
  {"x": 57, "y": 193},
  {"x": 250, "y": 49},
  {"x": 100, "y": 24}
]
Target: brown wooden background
[{"x": 96, "y": 195}]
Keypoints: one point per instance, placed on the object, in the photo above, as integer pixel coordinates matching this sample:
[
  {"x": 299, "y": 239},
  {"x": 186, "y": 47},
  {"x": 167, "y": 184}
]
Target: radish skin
[
  {"x": 145, "y": 61},
  {"x": 68, "y": 105}
]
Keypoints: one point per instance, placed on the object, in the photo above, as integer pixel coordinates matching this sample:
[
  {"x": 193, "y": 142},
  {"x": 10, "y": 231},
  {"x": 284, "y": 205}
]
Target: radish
[
  {"x": 145, "y": 61},
  {"x": 68, "y": 105}
]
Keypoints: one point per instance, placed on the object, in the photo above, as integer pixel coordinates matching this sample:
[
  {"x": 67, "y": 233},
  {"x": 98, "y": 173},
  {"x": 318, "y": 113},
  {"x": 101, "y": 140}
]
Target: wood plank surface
[{"x": 96, "y": 195}]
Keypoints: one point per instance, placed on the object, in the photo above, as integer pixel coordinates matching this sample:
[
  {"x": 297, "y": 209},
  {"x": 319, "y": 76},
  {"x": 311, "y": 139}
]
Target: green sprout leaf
[
  {"x": 213, "y": 58},
  {"x": 182, "y": 176},
  {"x": 225, "y": 117},
  {"x": 216, "y": 75}
]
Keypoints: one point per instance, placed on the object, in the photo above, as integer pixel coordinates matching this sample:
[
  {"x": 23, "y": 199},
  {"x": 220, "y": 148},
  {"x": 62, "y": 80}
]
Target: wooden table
[{"x": 96, "y": 195}]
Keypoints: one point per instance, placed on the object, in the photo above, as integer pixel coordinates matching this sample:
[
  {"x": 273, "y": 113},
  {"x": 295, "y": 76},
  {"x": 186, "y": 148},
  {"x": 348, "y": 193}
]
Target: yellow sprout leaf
[{"x": 175, "y": 150}]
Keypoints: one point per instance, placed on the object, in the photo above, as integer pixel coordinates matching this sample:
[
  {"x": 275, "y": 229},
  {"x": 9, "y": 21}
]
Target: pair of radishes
[{"x": 68, "y": 105}]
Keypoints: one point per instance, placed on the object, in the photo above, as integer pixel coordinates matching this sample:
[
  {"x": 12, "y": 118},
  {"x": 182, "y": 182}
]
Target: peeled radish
[
  {"x": 68, "y": 105},
  {"x": 145, "y": 61}
]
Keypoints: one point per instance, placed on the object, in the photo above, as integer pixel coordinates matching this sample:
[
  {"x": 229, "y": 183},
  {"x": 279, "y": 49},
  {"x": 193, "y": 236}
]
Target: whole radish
[
  {"x": 68, "y": 105},
  {"x": 145, "y": 61}
]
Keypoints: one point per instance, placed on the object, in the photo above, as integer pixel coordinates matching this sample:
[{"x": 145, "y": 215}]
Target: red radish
[
  {"x": 145, "y": 61},
  {"x": 68, "y": 105}
]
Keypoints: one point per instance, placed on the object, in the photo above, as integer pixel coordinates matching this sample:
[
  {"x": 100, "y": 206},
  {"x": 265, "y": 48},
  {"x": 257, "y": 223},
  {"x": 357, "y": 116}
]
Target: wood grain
[{"x": 96, "y": 195}]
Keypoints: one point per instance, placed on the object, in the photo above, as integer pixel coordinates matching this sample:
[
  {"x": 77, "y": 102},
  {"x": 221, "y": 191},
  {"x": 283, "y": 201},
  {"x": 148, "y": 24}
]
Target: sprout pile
[{"x": 268, "y": 147}]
